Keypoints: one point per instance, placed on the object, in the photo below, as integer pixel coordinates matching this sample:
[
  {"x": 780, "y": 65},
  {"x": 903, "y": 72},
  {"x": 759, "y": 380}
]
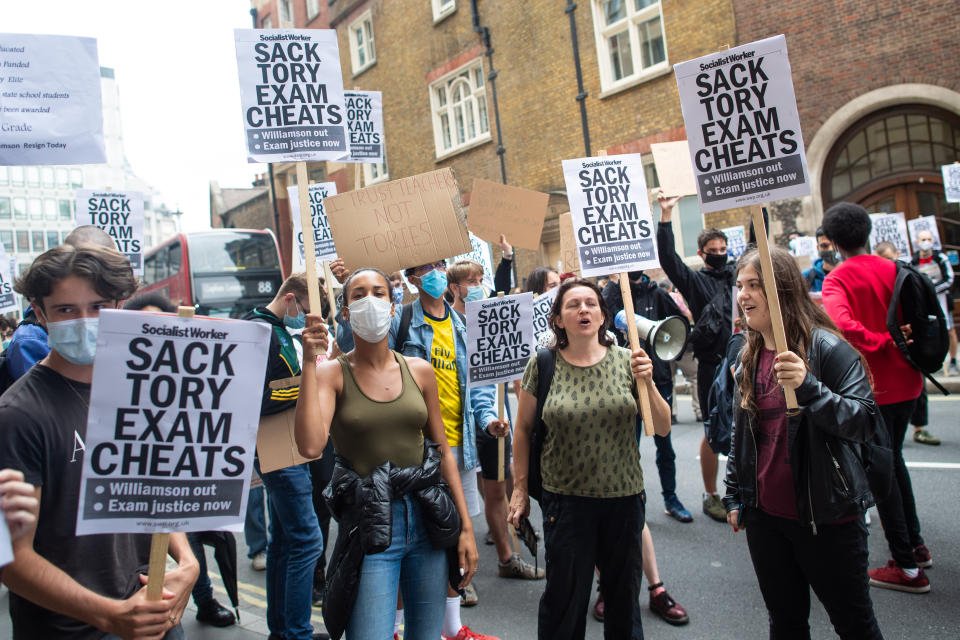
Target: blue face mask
[
  {"x": 397, "y": 295},
  {"x": 434, "y": 283},
  {"x": 75, "y": 340},
  {"x": 298, "y": 321},
  {"x": 6, "y": 343},
  {"x": 475, "y": 293}
]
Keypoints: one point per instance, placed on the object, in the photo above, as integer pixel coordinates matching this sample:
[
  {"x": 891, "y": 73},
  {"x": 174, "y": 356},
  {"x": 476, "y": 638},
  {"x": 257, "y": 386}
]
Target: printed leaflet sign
[
  {"x": 120, "y": 214},
  {"x": 8, "y": 298},
  {"x": 480, "y": 253},
  {"x": 499, "y": 338},
  {"x": 322, "y": 240},
  {"x": 365, "y": 126},
  {"x": 890, "y": 227},
  {"x": 924, "y": 223},
  {"x": 951, "y": 181}
]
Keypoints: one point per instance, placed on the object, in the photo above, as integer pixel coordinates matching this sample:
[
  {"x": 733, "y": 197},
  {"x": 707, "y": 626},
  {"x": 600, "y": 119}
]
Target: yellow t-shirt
[{"x": 444, "y": 361}]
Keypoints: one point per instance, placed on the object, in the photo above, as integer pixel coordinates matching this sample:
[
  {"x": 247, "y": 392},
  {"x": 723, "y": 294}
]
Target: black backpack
[
  {"x": 718, "y": 414},
  {"x": 714, "y": 326},
  {"x": 546, "y": 363},
  {"x": 914, "y": 302}
]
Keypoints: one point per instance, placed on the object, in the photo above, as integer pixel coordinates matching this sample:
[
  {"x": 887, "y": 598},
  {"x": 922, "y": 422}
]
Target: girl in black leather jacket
[{"x": 794, "y": 479}]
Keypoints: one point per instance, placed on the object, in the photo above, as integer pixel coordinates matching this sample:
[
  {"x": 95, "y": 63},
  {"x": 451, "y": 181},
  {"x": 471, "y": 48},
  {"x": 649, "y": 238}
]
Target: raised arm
[
  {"x": 682, "y": 276},
  {"x": 501, "y": 280},
  {"x": 318, "y": 391}
]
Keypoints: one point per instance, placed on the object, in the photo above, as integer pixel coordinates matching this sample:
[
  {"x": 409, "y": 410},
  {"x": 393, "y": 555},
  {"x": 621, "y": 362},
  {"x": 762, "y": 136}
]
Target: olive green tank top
[{"x": 368, "y": 433}]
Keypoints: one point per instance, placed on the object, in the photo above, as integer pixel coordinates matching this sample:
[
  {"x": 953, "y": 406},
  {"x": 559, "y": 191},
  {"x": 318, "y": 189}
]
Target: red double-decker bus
[{"x": 223, "y": 273}]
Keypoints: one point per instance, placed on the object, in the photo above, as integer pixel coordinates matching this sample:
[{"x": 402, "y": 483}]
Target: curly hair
[
  {"x": 570, "y": 283},
  {"x": 847, "y": 225},
  {"x": 107, "y": 270}
]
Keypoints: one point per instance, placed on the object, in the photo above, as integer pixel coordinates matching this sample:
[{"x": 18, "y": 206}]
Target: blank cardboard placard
[
  {"x": 674, "y": 170},
  {"x": 569, "y": 259},
  {"x": 517, "y": 213},
  {"x": 400, "y": 224},
  {"x": 276, "y": 444}
]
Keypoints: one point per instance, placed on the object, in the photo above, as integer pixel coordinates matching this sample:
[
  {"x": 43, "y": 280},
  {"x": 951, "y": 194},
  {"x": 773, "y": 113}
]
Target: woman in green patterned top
[{"x": 593, "y": 504}]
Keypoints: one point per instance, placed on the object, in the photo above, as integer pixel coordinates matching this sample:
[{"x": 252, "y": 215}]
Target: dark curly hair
[
  {"x": 107, "y": 270},
  {"x": 847, "y": 225},
  {"x": 570, "y": 283}
]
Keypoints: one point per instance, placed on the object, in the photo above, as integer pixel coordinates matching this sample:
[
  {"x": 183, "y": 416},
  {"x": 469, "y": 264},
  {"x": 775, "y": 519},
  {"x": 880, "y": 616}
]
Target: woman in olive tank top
[{"x": 378, "y": 406}]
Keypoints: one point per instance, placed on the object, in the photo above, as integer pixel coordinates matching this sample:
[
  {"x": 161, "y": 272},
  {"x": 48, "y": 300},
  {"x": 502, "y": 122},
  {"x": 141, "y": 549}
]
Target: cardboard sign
[
  {"x": 743, "y": 127},
  {"x": 517, "y": 213},
  {"x": 674, "y": 170},
  {"x": 569, "y": 260},
  {"x": 8, "y": 298},
  {"x": 499, "y": 338},
  {"x": 924, "y": 223},
  {"x": 890, "y": 227},
  {"x": 291, "y": 91},
  {"x": 612, "y": 223},
  {"x": 541, "y": 315},
  {"x": 323, "y": 245},
  {"x": 173, "y": 419},
  {"x": 951, "y": 181},
  {"x": 736, "y": 240},
  {"x": 120, "y": 214},
  {"x": 480, "y": 253},
  {"x": 51, "y": 100},
  {"x": 276, "y": 442},
  {"x": 365, "y": 126},
  {"x": 399, "y": 224}
]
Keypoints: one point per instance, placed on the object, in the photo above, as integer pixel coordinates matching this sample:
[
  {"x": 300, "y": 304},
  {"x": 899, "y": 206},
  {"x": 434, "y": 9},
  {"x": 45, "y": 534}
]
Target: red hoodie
[{"x": 856, "y": 295}]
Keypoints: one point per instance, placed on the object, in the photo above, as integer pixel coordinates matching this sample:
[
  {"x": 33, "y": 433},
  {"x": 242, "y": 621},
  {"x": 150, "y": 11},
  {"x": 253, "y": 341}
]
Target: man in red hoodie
[{"x": 856, "y": 295}]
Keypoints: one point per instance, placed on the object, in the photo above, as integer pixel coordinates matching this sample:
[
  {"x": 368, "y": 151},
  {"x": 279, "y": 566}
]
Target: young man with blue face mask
[{"x": 63, "y": 585}]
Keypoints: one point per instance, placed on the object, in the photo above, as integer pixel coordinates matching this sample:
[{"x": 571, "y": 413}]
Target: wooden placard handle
[
  {"x": 646, "y": 412},
  {"x": 770, "y": 288},
  {"x": 309, "y": 251},
  {"x": 501, "y": 450}
]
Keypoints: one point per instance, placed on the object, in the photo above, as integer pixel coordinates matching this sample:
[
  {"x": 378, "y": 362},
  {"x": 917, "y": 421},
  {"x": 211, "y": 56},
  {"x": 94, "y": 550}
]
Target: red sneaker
[
  {"x": 467, "y": 634},
  {"x": 894, "y": 578},
  {"x": 922, "y": 555}
]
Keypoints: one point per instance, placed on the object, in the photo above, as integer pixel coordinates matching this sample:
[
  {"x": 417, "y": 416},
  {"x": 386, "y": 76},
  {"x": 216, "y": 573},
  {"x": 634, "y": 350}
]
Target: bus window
[
  {"x": 174, "y": 258},
  {"x": 211, "y": 253}
]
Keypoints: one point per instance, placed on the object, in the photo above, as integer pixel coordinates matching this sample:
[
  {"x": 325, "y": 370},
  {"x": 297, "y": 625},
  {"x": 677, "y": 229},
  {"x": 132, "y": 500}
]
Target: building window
[
  {"x": 630, "y": 40},
  {"x": 16, "y": 175},
  {"x": 35, "y": 208},
  {"x": 50, "y": 209},
  {"x": 459, "y": 103},
  {"x": 266, "y": 23},
  {"x": 76, "y": 178},
  {"x": 375, "y": 172},
  {"x": 5, "y": 211},
  {"x": 442, "y": 8},
  {"x": 37, "y": 241},
  {"x": 3, "y": 175},
  {"x": 53, "y": 239},
  {"x": 363, "y": 53},
  {"x": 47, "y": 174},
  {"x": 284, "y": 13},
  {"x": 66, "y": 209},
  {"x": 313, "y": 8},
  {"x": 19, "y": 208},
  {"x": 63, "y": 178},
  {"x": 33, "y": 177},
  {"x": 23, "y": 241},
  {"x": 6, "y": 239}
]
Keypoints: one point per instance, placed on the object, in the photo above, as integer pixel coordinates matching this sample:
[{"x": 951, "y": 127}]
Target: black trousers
[
  {"x": 580, "y": 533},
  {"x": 898, "y": 511},
  {"x": 789, "y": 560},
  {"x": 706, "y": 372}
]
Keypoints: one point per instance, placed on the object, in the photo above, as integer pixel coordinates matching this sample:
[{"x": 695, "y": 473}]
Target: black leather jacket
[
  {"x": 837, "y": 414},
  {"x": 363, "y": 511}
]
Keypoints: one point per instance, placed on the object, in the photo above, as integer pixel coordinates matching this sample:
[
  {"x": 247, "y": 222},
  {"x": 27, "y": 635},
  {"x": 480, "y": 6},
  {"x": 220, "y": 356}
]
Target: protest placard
[
  {"x": 51, "y": 100},
  {"x": 951, "y": 181},
  {"x": 323, "y": 245},
  {"x": 541, "y": 316},
  {"x": 924, "y": 223},
  {"x": 890, "y": 227},
  {"x": 805, "y": 246},
  {"x": 736, "y": 240},
  {"x": 612, "y": 223},
  {"x": 480, "y": 252},
  {"x": 499, "y": 338},
  {"x": 674, "y": 171},
  {"x": 120, "y": 214},
  {"x": 743, "y": 127},
  {"x": 8, "y": 298},
  {"x": 172, "y": 424},
  {"x": 569, "y": 260},
  {"x": 291, "y": 91},
  {"x": 365, "y": 126},
  {"x": 499, "y": 208},
  {"x": 399, "y": 224},
  {"x": 6, "y": 549}
]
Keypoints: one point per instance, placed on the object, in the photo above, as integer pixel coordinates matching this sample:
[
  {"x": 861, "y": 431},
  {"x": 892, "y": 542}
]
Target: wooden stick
[
  {"x": 332, "y": 299},
  {"x": 646, "y": 411},
  {"x": 501, "y": 452},
  {"x": 770, "y": 287},
  {"x": 160, "y": 542},
  {"x": 309, "y": 251}
]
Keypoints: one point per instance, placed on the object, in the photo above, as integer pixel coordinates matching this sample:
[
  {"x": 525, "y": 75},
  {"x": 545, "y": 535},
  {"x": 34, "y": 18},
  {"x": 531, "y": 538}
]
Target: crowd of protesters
[{"x": 405, "y": 453}]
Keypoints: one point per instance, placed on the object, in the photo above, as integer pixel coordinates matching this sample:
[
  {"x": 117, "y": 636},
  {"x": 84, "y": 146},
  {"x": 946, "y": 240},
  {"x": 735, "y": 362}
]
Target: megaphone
[{"x": 666, "y": 337}]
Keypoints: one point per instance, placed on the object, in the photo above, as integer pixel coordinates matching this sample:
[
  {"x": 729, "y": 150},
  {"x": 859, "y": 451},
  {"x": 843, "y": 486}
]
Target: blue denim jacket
[{"x": 479, "y": 403}]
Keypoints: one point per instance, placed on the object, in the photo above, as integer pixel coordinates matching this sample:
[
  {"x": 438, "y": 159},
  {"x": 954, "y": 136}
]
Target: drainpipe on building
[{"x": 581, "y": 94}]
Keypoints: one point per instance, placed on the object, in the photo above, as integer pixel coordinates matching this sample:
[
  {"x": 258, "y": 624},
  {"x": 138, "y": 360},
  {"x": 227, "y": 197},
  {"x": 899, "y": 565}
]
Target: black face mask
[
  {"x": 829, "y": 257},
  {"x": 715, "y": 260}
]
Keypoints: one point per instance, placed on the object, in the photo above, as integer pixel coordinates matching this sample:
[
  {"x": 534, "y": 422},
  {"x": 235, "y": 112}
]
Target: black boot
[
  {"x": 319, "y": 586},
  {"x": 212, "y": 612}
]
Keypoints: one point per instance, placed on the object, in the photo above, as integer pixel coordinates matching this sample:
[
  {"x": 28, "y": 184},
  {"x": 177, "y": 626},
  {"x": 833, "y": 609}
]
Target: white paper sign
[
  {"x": 736, "y": 240},
  {"x": 951, "y": 181},
  {"x": 291, "y": 90},
  {"x": 805, "y": 246},
  {"x": 120, "y": 214},
  {"x": 6, "y": 549},
  {"x": 322, "y": 240},
  {"x": 8, "y": 298},
  {"x": 612, "y": 223},
  {"x": 890, "y": 227},
  {"x": 365, "y": 126},
  {"x": 480, "y": 253},
  {"x": 924, "y": 223},
  {"x": 499, "y": 338},
  {"x": 743, "y": 127},
  {"x": 541, "y": 315},
  {"x": 50, "y": 97},
  {"x": 174, "y": 410}
]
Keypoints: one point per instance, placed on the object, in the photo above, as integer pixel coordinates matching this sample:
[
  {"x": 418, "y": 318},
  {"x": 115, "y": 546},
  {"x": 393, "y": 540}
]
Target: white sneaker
[
  {"x": 866, "y": 517},
  {"x": 260, "y": 561}
]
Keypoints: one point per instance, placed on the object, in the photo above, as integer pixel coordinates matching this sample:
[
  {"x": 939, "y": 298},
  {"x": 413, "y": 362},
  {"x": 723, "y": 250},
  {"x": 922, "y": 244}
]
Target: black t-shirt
[{"x": 43, "y": 424}]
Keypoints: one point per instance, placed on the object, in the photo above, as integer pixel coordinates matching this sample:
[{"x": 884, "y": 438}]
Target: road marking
[
  {"x": 242, "y": 585},
  {"x": 251, "y": 600},
  {"x": 950, "y": 398},
  {"x": 933, "y": 465}
]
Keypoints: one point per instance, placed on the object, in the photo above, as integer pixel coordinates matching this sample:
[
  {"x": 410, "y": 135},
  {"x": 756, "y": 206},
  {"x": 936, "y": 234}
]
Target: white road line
[{"x": 933, "y": 465}]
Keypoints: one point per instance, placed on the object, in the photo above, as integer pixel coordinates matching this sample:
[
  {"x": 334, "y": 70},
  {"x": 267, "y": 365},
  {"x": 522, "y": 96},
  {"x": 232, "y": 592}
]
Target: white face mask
[
  {"x": 75, "y": 340},
  {"x": 925, "y": 245},
  {"x": 370, "y": 318}
]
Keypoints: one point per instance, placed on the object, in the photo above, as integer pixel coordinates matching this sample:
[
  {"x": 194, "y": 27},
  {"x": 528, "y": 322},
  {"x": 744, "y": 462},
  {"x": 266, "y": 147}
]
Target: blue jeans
[
  {"x": 202, "y": 589},
  {"x": 255, "y": 523},
  {"x": 666, "y": 458},
  {"x": 295, "y": 545},
  {"x": 413, "y": 565},
  {"x": 176, "y": 633}
]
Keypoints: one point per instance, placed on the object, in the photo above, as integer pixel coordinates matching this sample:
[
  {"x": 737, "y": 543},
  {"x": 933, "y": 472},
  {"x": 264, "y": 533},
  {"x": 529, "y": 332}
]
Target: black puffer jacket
[
  {"x": 837, "y": 415},
  {"x": 363, "y": 511}
]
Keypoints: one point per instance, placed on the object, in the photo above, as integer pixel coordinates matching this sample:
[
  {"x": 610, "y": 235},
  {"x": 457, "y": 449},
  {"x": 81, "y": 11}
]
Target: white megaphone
[{"x": 666, "y": 337}]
